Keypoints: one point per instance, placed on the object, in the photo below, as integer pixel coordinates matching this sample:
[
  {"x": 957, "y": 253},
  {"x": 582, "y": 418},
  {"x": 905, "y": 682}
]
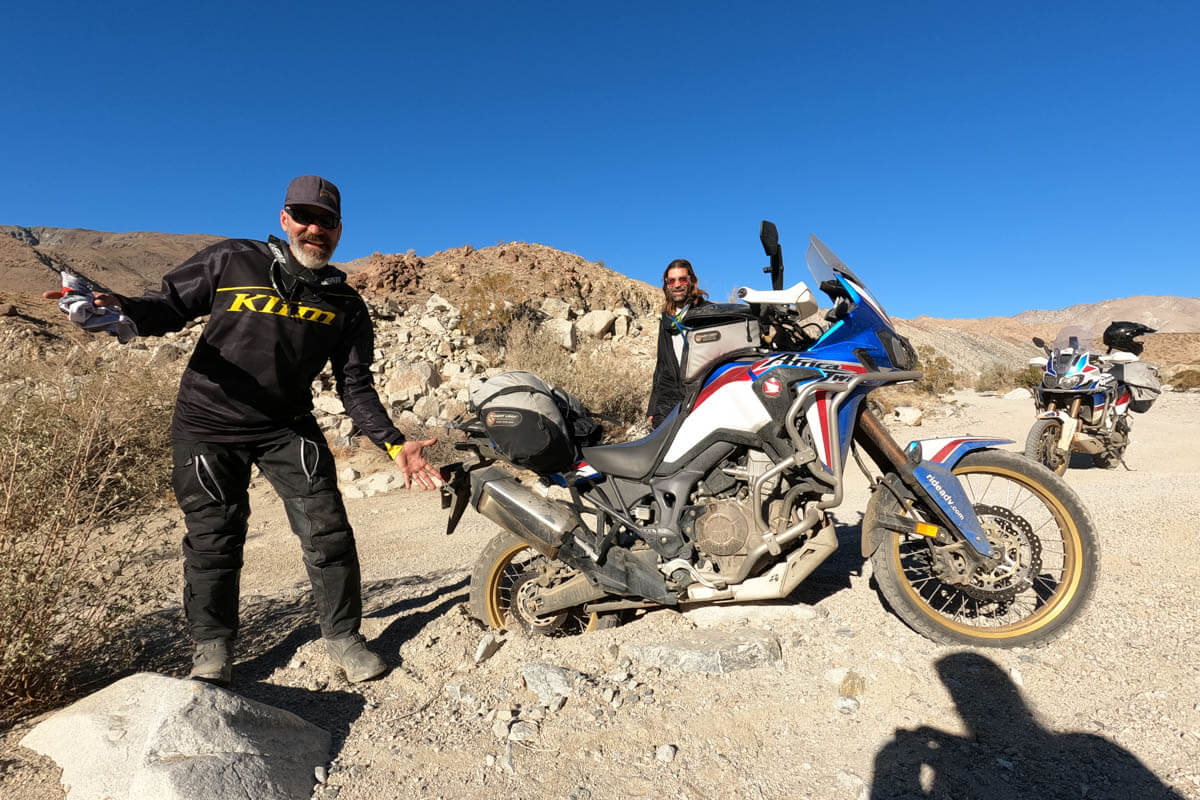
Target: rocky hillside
[
  {"x": 124, "y": 262},
  {"x": 482, "y": 290}
]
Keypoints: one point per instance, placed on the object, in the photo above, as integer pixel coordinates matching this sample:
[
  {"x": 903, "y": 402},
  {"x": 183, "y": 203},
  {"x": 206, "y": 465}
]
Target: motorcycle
[
  {"x": 1085, "y": 397},
  {"x": 729, "y": 499}
]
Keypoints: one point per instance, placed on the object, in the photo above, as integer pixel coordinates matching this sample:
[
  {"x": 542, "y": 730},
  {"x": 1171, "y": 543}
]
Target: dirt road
[{"x": 1110, "y": 710}]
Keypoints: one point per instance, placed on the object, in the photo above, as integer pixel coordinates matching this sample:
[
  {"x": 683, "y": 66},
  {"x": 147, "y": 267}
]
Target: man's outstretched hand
[
  {"x": 99, "y": 299},
  {"x": 414, "y": 466}
]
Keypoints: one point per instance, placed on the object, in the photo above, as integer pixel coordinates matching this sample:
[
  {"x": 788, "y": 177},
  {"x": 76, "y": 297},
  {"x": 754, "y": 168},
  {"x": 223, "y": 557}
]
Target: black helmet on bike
[{"x": 1122, "y": 335}]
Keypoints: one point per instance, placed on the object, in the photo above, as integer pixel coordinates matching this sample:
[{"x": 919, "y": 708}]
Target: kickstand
[{"x": 1126, "y": 466}]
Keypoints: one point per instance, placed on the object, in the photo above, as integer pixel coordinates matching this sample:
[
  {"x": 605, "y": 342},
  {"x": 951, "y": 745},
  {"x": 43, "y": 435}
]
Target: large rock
[
  {"x": 561, "y": 331},
  {"x": 596, "y": 324},
  {"x": 711, "y": 651},
  {"x": 413, "y": 380},
  {"x": 150, "y": 736},
  {"x": 556, "y": 308}
]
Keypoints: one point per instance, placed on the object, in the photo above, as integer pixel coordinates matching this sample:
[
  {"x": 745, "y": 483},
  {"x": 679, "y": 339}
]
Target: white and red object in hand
[{"x": 76, "y": 302}]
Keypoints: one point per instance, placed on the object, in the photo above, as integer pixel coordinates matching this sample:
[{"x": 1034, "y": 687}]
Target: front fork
[{"x": 927, "y": 479}]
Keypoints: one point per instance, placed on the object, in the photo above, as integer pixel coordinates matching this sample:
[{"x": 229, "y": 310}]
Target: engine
[{"x": 722, "y": 525}]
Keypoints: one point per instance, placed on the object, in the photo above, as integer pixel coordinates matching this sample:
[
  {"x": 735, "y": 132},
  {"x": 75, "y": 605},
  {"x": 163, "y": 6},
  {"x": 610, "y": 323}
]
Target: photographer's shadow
[{"x": 1006, "y": 754}]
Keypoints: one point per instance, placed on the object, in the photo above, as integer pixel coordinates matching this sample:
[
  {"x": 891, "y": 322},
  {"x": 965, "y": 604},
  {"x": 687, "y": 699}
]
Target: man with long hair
[{"x": 681, "y": 293}]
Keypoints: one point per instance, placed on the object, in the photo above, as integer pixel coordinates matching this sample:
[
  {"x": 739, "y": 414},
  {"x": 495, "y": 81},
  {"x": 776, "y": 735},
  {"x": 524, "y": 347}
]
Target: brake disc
[{"x": 1020, "y": 556}]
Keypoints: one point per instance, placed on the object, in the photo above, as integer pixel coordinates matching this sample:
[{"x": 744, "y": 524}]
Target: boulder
[
  {"x": 561, "y": 331},
  {"x": 711, "y": 652},
  {"x": 596, "y": 324},
  {"x": 556, "y": 308},
  {"x": 150, "y": 736}
]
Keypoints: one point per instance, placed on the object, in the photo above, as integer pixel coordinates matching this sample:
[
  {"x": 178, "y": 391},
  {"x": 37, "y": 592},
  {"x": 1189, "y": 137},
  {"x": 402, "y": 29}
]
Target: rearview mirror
[
  {"x": 1039, "y": 341},
  {"x": 768, "y": 234}
]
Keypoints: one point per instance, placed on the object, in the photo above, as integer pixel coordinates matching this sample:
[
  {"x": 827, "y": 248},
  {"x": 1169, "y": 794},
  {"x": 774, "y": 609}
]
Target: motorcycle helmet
[{"x": 1121, "y": 335}]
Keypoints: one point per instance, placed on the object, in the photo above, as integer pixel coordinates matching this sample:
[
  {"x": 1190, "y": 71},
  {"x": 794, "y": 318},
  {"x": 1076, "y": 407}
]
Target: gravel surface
[{"x": 858, "y": 706}]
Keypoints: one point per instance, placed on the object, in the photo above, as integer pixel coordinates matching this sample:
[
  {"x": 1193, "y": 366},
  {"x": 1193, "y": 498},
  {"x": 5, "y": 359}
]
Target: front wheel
[
  {"x": 1042, "y": 445},
  {"x": 1049, "y": 559}
]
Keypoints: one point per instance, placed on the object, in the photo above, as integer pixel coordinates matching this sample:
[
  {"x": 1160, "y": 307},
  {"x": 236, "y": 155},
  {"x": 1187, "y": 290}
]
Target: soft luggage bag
[
  {"x": 711, "y": 333},
  {"x": 527, "y": 421},
  {"x": 1144, "y": 387}
]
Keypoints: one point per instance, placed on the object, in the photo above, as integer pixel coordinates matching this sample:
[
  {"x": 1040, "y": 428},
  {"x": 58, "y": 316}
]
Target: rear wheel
[
  {"x": 1042, "y": 445},
  {"x": 1049, "y": 559},
  {"x": 504, "y": 586}
]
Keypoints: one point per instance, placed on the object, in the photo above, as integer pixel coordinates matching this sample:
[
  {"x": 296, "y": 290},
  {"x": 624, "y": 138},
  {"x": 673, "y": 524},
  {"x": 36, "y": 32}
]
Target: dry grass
[
  {"x": 615, "y": 390},
  {"x": 85, "y": 449},
  {"x": 1185, "y": 379},
  {"x": 998, "y": 377}
]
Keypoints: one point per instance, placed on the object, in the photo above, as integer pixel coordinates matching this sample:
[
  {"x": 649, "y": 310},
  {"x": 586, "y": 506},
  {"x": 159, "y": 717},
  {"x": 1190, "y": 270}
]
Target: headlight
[
  {"x": 1049, "y": 380},
  {"x": 1070, "y": 381}
]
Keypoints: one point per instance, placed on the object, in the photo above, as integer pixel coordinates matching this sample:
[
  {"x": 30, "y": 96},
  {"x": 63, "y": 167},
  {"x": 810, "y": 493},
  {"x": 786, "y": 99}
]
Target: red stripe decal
[{"x": 732, "y": 376}]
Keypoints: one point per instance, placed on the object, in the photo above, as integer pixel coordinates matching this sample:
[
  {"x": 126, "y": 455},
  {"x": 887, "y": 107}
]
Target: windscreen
[{"x": 824, "y": 265}]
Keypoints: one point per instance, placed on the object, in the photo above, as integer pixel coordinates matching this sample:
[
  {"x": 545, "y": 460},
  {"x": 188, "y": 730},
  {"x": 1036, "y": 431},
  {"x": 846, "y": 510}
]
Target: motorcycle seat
[{"x": 633, "y": 460}]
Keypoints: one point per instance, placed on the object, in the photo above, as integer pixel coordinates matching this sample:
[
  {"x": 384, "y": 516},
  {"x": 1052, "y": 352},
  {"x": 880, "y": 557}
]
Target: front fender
[
  {"x": 929, "y": 466},
  {"x": 949, "y": 451}
]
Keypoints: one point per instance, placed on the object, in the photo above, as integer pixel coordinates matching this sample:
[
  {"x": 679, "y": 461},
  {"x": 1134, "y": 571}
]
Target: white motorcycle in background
[{"x": 1085, "y": 396}]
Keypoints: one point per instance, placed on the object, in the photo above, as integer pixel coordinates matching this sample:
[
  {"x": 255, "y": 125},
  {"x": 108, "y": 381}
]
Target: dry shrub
[
  {"x": 940, "y": 375},
  {"x": 84, "y": 449},
  {"x": 492, "y": 303},
  {"x": 612, "y": 388},
  {"x": 998, "y": 377},
  {"x": 1185, "y": 379}
]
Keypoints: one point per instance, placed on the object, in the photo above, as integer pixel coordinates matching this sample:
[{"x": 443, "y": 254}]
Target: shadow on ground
[{"x": 1006, "y": 754}]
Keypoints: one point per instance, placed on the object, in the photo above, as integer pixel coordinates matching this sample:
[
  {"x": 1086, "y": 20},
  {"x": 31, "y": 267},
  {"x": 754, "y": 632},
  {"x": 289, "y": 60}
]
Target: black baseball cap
[{"x": 313, "y": 190}]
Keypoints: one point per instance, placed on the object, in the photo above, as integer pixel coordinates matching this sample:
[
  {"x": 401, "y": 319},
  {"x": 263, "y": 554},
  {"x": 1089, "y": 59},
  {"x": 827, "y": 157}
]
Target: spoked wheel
[
  {"x": 1046, "y": 570},
  {"x": 1042, "y": 445},
  {"x": 504, "y": 587}
]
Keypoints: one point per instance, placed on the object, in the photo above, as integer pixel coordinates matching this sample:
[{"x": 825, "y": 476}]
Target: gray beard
[{"x": 306, "y": 259}]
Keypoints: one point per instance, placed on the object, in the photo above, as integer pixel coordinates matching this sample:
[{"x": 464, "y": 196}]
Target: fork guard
[{"x": 931, "y": 462}]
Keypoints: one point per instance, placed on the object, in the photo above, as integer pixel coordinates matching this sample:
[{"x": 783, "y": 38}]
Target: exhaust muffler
[{"x": 541, "y": 523}]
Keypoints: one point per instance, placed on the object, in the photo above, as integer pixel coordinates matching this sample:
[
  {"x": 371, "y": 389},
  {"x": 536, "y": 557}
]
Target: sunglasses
[
  {"x": 678, "y": 281},
  {"x": 326, "y": 219}
]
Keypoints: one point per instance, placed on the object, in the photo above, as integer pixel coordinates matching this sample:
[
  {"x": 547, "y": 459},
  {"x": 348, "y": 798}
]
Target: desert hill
[
  {"x": 128, "y": 263},
  {"x": 519, "y": 273}
]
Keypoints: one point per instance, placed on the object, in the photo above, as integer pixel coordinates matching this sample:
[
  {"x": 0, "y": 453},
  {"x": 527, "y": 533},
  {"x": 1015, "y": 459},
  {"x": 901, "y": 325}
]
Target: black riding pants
[{"x": 211, "y": 482}]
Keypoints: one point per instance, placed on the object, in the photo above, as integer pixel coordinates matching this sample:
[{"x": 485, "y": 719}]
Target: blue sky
[{"x": 966, "y": 159}]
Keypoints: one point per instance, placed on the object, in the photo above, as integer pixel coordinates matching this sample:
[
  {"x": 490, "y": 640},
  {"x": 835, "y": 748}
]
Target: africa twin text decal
[{"x": 835, "y": 371}]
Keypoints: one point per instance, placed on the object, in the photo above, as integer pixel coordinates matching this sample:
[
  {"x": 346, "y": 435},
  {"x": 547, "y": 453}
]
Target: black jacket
[
  {"x": 250, "y": 376},
  {"x": 666, "y": 390}
]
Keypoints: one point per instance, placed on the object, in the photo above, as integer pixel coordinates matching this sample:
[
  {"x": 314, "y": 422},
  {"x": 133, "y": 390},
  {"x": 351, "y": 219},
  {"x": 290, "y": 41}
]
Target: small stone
[
  {"x": 522, "y": 731},
  {"x": 321, "y": 773},
  {"x": 506, "y": 760},
  {"x": 487, "y": 647},
  {"x": 665, "y": 753},
  {"x": 846, "y": 705},
  {"x": 500, "y": 729}
]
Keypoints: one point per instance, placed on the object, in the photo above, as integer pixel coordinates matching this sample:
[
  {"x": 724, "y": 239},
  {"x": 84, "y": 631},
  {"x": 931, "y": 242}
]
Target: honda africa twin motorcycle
[
  {"x": 1085, "y": 398},
  {"x": 729, "y": 499}
]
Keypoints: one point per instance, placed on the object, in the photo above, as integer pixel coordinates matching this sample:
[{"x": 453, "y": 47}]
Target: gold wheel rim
[{"x": 1054, "y": 606}]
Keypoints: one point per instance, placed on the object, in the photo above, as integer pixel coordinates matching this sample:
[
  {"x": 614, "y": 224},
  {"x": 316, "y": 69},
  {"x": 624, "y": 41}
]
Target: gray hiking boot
[
  {"x": 351, "y": 654},
  {"x": 212, "y": 661}
]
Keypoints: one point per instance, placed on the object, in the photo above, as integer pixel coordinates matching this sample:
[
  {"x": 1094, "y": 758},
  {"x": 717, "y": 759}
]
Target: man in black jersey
[{"x": 278, "y": 314}]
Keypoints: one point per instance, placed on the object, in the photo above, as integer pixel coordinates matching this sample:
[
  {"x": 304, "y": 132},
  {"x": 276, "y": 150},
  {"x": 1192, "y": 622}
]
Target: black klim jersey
[{"x": 251, "y": 374}]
